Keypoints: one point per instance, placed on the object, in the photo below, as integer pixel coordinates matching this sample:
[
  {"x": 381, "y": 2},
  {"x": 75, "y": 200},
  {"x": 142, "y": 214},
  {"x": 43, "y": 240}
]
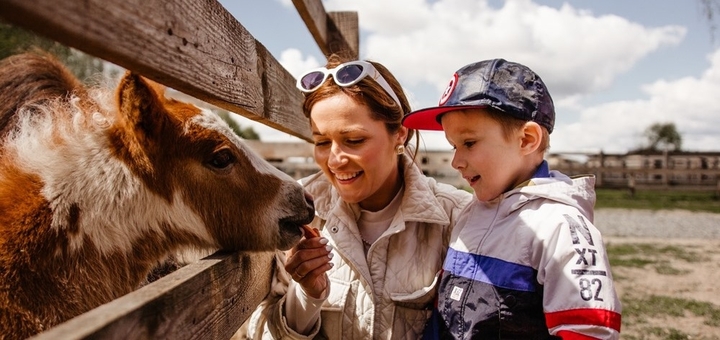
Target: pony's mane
[
  {"x": 64, "y": 143},
  {"x": 60, "y": 124},
  {"x": 97, "y": 186}
]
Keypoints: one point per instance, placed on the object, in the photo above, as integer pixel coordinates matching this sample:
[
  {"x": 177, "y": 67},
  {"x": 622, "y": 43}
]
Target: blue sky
[{"x": 613, "y": 67}]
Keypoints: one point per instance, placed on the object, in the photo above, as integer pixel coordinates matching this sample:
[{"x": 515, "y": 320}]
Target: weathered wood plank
[
  {"x": 313, "y": 14},
  {"x": 193, "y": 46},
  {"x": 330, "y": 36},
  {"x": 277, "y": 108},
  {"x": 198, "y": 48},
  {"x": 205, "y": 300},
  {"x": 343, "y": 32}
]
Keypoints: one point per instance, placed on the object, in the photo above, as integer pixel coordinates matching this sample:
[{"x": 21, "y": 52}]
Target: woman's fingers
[
  {"x": 305, "y": 261},
  {"x": 315, "y": 282},
  {"x": 309, "y": 249},
  {"x": 307, "y": 267},
  {"x": 309, "y": 243},
  {"x": 307, "y": 264},
  {"x": 307, "y": 256},
  {"x": 297, "y": 277}
]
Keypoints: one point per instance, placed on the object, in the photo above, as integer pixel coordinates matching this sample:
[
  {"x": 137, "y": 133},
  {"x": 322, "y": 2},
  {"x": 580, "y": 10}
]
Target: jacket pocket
[
  {"x": 333, "y": 309},
  {"x": 413, "y": 309},
  {"x": 422, "y": 298}
]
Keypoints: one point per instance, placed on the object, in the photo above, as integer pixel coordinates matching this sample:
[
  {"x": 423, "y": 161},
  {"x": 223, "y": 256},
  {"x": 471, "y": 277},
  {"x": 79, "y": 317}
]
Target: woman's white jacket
[{"x": 390, "y": 293}]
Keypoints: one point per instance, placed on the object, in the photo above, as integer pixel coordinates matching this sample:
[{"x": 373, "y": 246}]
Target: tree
[
  {"x": 15, "y": 40},
  {"x": 663, "y": 136},
  {"x": 710, "y": 9},
  {"x": 245, "y": 133},
  {"x": 249, "y": 133}
]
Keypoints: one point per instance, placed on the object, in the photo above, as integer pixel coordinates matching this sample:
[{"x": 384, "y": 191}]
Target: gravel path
[{"x": 660, "y": 224}]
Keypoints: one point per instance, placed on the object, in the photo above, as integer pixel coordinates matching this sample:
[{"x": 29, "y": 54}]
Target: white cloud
[
  {"x": 286, "y": 3},
  {"x": 690, "y": 103},
  {"x": 293, "y": 61},
  {"x": 296, "y": 63},
  {"x": 578, "y": 54},
  {"x": 574, "y": 51}
]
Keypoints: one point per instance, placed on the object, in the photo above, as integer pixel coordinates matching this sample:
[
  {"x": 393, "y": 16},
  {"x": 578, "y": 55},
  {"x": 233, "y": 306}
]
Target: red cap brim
[{"x": 427, "y": 119}]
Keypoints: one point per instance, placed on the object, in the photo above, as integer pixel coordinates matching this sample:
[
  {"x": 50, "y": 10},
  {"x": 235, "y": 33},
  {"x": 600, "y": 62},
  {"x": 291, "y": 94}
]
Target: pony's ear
[
  {"x": 139, "y": 103},
  {"x": 158, "y": 88}
]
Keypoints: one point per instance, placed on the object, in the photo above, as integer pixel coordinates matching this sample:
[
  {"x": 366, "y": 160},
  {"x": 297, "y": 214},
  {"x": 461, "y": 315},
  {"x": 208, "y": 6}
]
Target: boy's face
[{"x": 489, "y": 161}]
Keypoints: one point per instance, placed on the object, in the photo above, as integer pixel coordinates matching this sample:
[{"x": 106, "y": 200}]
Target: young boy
[{"x": 525, "y": 260}]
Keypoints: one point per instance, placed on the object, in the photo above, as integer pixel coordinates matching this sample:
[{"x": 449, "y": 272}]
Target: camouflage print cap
[{"x": 503, "y": 85}]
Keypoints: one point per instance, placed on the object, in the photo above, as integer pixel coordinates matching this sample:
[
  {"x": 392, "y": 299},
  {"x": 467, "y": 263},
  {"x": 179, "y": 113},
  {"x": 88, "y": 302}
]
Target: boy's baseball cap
[{"x": 502, "y": 85}]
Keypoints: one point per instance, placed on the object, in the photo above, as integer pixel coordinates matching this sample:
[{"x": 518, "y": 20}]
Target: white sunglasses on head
[{"x": 346, "y": 74}]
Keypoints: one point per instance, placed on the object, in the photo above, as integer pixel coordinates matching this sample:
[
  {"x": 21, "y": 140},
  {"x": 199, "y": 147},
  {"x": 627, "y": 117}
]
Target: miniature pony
[{"x": 98, "y": 187}]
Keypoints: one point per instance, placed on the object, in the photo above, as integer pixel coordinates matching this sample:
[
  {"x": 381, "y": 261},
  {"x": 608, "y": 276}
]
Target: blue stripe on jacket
[{"x": 490, "y": 270}]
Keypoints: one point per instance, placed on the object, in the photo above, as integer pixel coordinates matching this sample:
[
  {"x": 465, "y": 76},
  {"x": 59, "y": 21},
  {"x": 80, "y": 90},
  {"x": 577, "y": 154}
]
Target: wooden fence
[{"x": 198, "y": 48}]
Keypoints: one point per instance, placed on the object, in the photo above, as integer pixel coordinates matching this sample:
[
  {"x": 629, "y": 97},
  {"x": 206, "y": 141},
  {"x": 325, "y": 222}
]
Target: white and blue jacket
[{"x": 530, "y": 265}]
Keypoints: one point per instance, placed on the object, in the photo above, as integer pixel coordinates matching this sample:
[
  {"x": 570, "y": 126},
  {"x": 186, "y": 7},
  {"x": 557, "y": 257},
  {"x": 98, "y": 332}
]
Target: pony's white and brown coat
[{"x": 96, "y": 188}]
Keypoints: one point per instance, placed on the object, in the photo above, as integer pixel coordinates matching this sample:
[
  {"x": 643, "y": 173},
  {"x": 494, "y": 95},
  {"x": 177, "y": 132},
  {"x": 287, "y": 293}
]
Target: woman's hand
[{"x": 308, "y": 261}]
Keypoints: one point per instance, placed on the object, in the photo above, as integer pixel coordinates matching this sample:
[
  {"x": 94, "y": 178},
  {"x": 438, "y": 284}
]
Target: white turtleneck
[{"x": 372, "y": 224}]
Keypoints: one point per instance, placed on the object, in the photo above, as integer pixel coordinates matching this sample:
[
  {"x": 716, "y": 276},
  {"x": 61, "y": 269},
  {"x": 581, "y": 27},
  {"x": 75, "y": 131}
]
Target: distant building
[
  {"x": 296, "y": 159},
  {"x": 293, "y": 158},
  {"x": 438, "y": 164},
  {"x": 644, "y": 169}
]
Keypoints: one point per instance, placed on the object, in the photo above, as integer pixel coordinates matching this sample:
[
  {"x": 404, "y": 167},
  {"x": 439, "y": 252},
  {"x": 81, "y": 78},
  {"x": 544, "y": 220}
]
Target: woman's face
[{"x": 356, "y": 153}]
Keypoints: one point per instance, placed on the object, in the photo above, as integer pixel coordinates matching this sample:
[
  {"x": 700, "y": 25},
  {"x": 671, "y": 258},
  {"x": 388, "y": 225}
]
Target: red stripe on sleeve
[{"x": 588, "y": 316}]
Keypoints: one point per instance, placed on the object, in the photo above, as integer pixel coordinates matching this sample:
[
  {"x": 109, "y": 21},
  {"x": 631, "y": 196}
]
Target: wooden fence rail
[
  {"x": 205, "y": 300},
  {"x": 198, "y": 48}
]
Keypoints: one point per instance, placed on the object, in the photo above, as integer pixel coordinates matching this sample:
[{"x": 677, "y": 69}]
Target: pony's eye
[{"x": 222, "y": 159}]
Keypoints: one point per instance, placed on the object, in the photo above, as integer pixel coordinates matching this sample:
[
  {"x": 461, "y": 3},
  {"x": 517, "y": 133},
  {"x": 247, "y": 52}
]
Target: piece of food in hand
[{"x": 310, "y": 232}]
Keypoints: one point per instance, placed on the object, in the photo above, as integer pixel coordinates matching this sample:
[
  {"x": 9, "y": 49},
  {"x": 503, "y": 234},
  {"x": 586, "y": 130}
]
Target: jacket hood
[{"x": 578, "y": 192}]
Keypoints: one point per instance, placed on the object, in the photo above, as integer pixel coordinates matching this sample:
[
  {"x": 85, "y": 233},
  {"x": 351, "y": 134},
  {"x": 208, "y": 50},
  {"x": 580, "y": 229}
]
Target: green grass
[
  {"x": 640, "y": 255},
  {"x": 662, "y": 333},
  {"x": 649, "y": 250},
  {"x": 659, "y": 199},
  {"x": 636, "y": 309}
]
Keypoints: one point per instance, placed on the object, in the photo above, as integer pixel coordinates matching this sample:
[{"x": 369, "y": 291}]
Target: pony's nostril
[
  {"x": 309, "y": 199},
  {"x": 310, "y": 206}
]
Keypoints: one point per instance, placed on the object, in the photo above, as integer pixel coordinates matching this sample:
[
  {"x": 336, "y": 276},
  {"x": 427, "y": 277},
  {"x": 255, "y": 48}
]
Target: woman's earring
[{"x": 400, "y": 149}]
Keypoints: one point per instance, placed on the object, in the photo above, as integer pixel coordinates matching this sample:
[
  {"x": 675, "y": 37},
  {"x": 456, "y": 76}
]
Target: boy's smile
[{"x": 472, "y": 180}]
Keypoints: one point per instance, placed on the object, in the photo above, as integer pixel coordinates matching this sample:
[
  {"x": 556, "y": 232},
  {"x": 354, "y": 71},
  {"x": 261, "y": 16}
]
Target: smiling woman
[{"x": 384, "y": 226}]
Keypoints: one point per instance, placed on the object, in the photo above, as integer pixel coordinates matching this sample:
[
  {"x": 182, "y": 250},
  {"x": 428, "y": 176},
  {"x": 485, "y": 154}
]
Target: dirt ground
[{"x": 689, "y": 279}]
